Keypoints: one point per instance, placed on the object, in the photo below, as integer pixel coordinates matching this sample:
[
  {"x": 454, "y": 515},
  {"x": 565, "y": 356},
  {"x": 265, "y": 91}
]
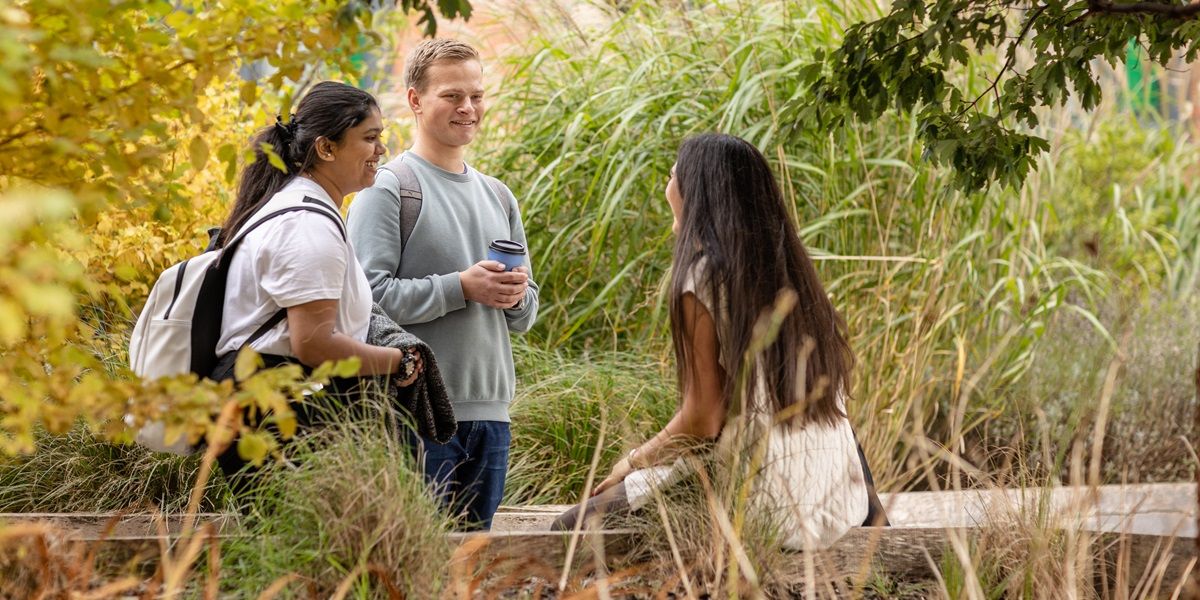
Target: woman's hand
[
  {"x": 620, "y": 471},
  {"x": 418, "y": 364},
  {"x": 702, "y": 412}
]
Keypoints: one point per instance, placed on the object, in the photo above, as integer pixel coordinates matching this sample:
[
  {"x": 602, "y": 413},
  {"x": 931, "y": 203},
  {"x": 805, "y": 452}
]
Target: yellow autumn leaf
[
  {"x": 348, "y": 367},
  {"x": 285, "y": 107},
  {"x": 286, "y": 423},
  {"x": 198, "y": 152},
  {"x": 249, "y": 93},
  {"x": 252, "y": 447},
  {"x": 248, "y": 361},
  {"x": 177, "y": 19},
  {"x": 227, "y": 153},
  {"x": 171, "y": 434},
  {"x": 126, "y": 272},
  {"x": 51, "y": 301},
  {"x": 273, "y": 158},
  {"x": 12, "y": 322}
]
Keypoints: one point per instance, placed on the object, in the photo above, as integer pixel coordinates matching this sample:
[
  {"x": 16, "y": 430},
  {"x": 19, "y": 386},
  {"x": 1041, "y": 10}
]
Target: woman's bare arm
[
  {"x": 314, "y": 341},
  {"x": 701, "y": 414}
]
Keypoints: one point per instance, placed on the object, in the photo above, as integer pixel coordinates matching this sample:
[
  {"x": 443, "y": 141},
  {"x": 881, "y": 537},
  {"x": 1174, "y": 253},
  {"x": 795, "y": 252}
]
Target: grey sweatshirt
[{"x": 460, "y": 216}]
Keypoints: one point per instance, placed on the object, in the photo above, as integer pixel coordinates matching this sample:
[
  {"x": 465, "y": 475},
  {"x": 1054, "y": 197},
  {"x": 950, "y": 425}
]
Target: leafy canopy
[
  {"x": 907, "y": 59},
  {"x": 112, "y": 112},
  {"x": 95, "y": 94}
]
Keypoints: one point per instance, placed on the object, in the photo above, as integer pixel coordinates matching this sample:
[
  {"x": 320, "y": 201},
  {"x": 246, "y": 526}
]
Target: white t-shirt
[{"x": 292, "y": 259}]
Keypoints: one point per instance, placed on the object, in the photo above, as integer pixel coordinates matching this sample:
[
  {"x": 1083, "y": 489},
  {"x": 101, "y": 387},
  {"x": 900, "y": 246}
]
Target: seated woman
[
  {"x": 295, "y": 291},
  {"x": 736, "y": 250}
]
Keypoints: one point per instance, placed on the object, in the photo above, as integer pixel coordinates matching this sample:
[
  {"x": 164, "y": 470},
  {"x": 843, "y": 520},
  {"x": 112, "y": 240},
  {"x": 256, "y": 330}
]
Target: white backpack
[{"x": 180, "y": 325}]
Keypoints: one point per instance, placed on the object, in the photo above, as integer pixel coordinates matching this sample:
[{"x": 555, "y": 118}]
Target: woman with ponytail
[
  {"x": 770, "y": 406},
  {"x": 295, "y": 291}
]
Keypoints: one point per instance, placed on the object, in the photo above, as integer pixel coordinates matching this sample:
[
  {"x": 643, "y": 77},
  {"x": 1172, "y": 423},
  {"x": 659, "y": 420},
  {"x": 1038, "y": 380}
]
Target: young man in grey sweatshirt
[{"x": 439, "y": 286}]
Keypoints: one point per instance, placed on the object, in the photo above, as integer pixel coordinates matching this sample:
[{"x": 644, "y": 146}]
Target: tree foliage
[
  {"x": 112, "y": 113},
  {"x": 907, "y": 60},
  {"x": 95, "y": 95},
  {"x": 450, "y": 9}
]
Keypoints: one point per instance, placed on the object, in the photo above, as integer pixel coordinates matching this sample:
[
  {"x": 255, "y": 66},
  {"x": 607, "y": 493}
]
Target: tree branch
[
  {"x": 1008, "y": 62},
  {"x": 1175, "y": 11}
]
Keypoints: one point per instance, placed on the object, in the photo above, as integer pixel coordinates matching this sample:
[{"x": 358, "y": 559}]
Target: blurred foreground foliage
[{"x": 122, "y": 126}]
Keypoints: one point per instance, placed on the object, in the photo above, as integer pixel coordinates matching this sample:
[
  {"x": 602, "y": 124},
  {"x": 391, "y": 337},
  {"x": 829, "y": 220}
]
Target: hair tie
[{"x": 288, "y": 129}]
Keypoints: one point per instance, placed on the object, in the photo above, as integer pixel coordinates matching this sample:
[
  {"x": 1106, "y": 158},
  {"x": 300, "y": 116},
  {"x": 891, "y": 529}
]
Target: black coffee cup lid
[{"x": 507, "y": 246}]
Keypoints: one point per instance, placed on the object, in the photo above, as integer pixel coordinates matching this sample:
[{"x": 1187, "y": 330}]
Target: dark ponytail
[{"x": 327, "y": 110}]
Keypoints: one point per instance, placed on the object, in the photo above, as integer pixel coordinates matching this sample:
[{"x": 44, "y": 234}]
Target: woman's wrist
[
  {"x": 397, "y": 360},
  {"x": 631, "y": 458}
]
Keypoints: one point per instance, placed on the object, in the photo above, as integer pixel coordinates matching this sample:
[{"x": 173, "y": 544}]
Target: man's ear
[{"x": 414, "y": 100}]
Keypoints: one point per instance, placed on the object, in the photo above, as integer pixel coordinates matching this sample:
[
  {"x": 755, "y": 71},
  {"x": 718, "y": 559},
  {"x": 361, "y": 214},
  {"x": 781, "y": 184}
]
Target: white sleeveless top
[{"x": 810, "y": 482}]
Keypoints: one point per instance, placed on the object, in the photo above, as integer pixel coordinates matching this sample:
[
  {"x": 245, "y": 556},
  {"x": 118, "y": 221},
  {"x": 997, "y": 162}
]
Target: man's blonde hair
[{"x": 429, "y": 52}]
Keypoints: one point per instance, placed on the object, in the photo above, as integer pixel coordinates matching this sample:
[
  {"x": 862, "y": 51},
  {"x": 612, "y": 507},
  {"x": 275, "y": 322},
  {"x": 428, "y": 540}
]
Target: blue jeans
[{"x": 468, "y": 471}]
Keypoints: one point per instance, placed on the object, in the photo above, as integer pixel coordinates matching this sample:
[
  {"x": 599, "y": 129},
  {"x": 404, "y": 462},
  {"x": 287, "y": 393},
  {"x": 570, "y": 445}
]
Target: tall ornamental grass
[{"x": 946, "y": 295}]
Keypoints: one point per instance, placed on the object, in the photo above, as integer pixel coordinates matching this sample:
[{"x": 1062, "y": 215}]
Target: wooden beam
[
  {"x": 902, "y": 553},
  {"x": 97, "y": 526}
]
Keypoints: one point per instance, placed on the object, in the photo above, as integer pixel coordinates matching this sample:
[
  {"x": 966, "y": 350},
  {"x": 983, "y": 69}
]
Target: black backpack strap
[
  {"x": 408, "y": 191},
  {"x": 275, "y": 319},
  {"x": 310, "y": 205}
]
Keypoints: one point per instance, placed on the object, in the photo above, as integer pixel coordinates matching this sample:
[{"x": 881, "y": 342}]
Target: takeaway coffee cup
[{"x": 511, "y": 253}]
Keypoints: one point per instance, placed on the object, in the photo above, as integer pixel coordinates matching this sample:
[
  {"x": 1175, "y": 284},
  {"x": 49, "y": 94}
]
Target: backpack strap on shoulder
[
  {"x": 314, "y": 205},
  {"x": 309, "y": 205},
  {"x": 399, "y": 179},
  {"x": 498, "y": 189}
]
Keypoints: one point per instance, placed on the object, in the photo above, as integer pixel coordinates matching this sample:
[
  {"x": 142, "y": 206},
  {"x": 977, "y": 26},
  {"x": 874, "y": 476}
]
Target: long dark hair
[
  {"x": 734, "y": 220},
  {"x": 327, "y": 110}
]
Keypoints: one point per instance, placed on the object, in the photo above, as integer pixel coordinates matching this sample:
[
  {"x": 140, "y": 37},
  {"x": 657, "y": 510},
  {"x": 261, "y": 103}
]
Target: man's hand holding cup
[{"x": 501, "y": 280}]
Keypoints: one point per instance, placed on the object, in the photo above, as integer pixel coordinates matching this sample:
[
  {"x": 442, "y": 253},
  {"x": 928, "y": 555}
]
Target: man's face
[{"x": 451, "y": 106}]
